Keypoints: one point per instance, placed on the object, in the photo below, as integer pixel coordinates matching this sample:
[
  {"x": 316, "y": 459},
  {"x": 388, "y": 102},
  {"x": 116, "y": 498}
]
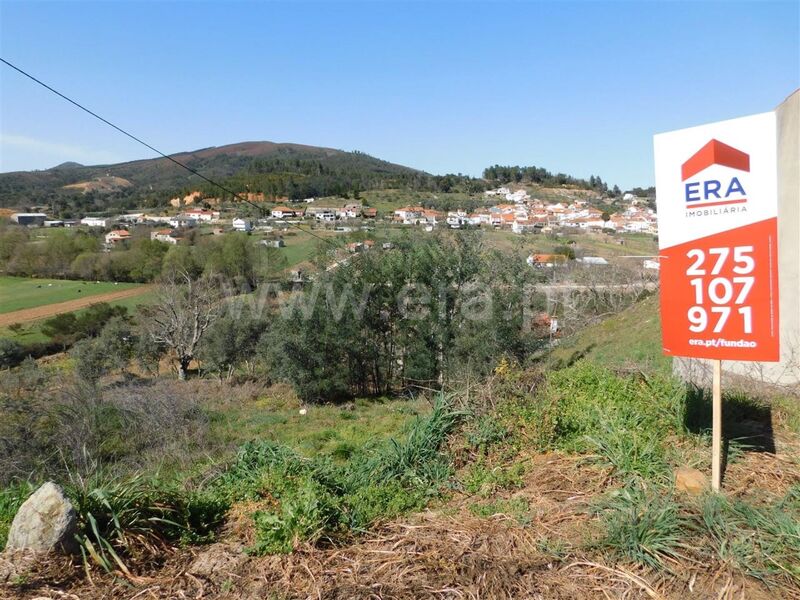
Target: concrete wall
[{"x": 786, "y": 372}]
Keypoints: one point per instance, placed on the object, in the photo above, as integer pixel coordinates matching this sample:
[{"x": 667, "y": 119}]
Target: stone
[
  {"x": 690, "y": 481},
  {"x": 45, "y": 522}
]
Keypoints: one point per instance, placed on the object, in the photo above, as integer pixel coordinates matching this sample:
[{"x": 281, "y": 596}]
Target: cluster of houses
[
  {"x": 352, "y": 210},
  {"x": 528, "y": 215}
]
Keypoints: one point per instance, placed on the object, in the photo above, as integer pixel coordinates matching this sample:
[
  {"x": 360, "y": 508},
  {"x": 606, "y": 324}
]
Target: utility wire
[{"x": 156, "y": 150}]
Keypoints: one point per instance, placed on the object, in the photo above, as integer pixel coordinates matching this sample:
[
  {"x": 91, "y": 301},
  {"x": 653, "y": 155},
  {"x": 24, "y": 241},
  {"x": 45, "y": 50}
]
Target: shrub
[{"x": 11, "y": 353}]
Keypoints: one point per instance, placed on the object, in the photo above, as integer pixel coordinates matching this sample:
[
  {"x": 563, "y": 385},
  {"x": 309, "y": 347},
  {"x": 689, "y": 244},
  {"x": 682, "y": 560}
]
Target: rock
[
  {"x": 45, "y": 522},
  {"x": 691, "y": 481}
]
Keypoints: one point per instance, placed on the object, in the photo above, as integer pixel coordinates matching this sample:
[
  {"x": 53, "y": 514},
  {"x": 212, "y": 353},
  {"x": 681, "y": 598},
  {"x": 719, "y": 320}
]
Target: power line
[{"x": 156, "y": 150}]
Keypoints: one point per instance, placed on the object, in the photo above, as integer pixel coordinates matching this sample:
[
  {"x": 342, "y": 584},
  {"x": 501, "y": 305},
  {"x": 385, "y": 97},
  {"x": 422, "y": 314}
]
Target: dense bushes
[
  {"x": 421, "y": 314},
  {"x": 68, "y": 328},
  {"x": 77, "y": 427}
]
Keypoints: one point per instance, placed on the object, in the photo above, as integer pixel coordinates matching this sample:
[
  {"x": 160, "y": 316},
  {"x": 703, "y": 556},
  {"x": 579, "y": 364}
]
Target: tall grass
[
  {"x": 643, "y": 527},
  {"x": 133, "y": 517},
  {"x": 762, "y": 541},
  {"x": 11, "y": 498},
  {"x": 624, "y": 421}
]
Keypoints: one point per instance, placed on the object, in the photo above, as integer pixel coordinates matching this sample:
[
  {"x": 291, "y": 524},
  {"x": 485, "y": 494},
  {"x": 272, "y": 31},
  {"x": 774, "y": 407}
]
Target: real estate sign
[{"x": 716, "y": 190}]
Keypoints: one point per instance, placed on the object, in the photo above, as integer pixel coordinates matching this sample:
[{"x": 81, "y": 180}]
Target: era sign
[{"x": 716, "y": 190}]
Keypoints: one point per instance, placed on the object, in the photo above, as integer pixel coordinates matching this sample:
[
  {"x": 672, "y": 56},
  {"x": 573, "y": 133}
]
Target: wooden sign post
[
  {"x": 716, "y": 427},
  {"x": 717, "y": 200}
]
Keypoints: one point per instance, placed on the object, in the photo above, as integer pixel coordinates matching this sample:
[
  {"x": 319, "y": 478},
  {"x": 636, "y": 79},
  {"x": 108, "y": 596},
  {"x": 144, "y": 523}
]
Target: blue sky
[{"x": 577, "y": 87}]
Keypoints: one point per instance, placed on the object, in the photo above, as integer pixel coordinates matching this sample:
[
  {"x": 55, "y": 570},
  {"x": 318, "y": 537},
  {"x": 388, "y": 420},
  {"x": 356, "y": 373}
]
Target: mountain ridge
[{"x": 276, "y": 168}]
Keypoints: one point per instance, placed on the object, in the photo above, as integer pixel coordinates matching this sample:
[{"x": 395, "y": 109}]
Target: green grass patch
[
  {"x": 325, "y": 429},
  {"x": 643, "y": 527},
  {"x": 631, "y": 338},
  {"x": 31, "y": 332},
  {"x": 17, "y": 293},
  {"x": 623, "y": 421},
  {"x": 315, "y": 498}
]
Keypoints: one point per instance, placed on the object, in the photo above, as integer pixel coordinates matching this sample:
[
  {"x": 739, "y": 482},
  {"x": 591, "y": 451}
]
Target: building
[
  {"x": 592, "y": 260},
  {"x": 29, "y": 219},
  {"x": 541, "y": 261},
  {"x": 202, "y": 214},
  {"x": 242, "y": 225},
  {"x": 182, "y": 222},
  {"x": 95, "y": 221},
  {"x": 283, "y": 212},
  {"x": 117, "y": 236},
  {"x": 168, "y": 236}
]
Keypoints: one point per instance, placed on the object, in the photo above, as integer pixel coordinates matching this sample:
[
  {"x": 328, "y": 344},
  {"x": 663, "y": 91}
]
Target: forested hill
[{"x": 276, "y": 170}]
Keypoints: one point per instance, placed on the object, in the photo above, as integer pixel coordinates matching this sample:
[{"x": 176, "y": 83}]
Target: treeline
[
  {"x": 78, "y": 255},
  {"x": 541, "y": 176},
  {"x": 344, "y": 175}
]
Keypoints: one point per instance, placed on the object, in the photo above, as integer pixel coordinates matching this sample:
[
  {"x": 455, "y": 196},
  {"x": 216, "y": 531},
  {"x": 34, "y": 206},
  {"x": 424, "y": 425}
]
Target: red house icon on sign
[{"x": 715, "y": 153}]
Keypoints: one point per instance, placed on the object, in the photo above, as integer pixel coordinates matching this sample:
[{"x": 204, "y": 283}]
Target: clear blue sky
[{"x": 576, "y": 87}]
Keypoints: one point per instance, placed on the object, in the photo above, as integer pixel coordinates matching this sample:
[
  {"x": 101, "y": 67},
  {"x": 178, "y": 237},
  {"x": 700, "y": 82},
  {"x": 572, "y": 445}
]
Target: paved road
[{"x": 50, "y": 310}]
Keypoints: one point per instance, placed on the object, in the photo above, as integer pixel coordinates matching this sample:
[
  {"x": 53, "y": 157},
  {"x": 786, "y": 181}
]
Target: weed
[
  {"x": 486, "y": 431},
  {"x": 483, "y": 480},
  {"x": 760, "y": 541},
  {"x": 316, "y": 499},
  {"x": 642, "y": 527},
  {"x": 127, "y": 516}
]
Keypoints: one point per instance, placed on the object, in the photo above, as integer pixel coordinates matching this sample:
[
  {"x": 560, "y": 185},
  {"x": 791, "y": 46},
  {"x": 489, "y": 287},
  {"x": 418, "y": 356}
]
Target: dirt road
[{"x": 49, "y": 310}]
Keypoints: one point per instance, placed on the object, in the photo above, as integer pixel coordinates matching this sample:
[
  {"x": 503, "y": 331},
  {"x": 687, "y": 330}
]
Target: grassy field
[
  {"x": 325, "y": 430},
  {"x": 31, "y": 333},
  {"x": 17, "y": 293}
]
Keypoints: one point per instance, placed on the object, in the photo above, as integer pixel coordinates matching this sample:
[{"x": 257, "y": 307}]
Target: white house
[
  {"x": 282, "y": 212},
  {"x": 168, "y": 236},
  {"x": 95, "y": 221},
  {"x": 242, "y": 225},
  {"x": 409, "y": 215},
  {"x": 457, "y": 219},
  {"x": 181, "y": 222},
  {"x": 202, "y": 214}
]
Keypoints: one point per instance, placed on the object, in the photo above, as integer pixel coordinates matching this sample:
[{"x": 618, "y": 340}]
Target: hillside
[
  {"x": 556, "y": 483},
  {"x": 268, "y": 167}
]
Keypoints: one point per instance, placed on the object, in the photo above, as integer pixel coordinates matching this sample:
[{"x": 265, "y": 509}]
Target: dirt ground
[{"x": 50, "y": 310}]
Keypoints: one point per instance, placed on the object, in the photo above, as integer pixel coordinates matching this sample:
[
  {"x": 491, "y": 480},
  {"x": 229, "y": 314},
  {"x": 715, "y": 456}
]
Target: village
[{"x": 517, "y": 212}]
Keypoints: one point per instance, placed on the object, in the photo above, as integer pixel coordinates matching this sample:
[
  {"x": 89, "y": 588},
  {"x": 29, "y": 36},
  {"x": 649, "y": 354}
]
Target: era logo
[{"x": 715, "y": 153}]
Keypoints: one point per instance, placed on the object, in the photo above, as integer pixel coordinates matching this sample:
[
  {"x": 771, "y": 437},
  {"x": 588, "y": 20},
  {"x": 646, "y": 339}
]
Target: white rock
[{"x": 45, "y": 522}]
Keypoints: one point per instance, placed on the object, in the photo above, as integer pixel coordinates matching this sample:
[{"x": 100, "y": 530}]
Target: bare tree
[{"x": 183, "y": 311}]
